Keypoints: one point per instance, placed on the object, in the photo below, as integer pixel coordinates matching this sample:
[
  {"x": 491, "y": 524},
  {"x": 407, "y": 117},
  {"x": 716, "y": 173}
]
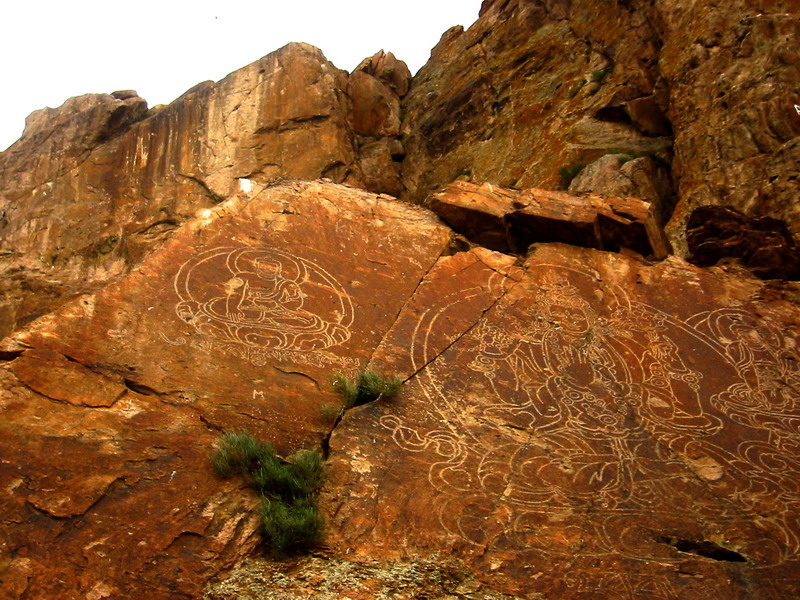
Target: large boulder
[{"x": 511, "y": 221}]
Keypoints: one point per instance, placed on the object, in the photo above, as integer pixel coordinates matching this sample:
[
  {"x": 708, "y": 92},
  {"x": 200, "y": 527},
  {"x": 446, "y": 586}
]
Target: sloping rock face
[
  {"x": 111, "y": 404},
  {"x": 537, "y": 89},
  {"x": 578, "y": 421},
  {"x": 92, "y": 187},
  {"x": 735, "y": 72},
  {"x": 583, "y": 426},
  {"x": 584, "y": 415}
]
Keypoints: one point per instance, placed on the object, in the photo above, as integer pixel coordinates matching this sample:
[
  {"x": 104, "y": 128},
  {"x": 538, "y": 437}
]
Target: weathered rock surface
[
  {"x": 530, "y": 89},
  {"x": 764, "y": 245},
  {"x": 733, "y": 75},
  {"x": 93, "y": 186},
  {"x": 628, "y": 176},
  {"x": 583, "y": 426},
  {"x": 509, "y": 221},
  {"x": 535, "y": 86},
  {"x": 578, "y": 420},
  {"x": 111, "y": 404},
  {"x": 91, "y": 210},
  {"x": 376, "y": 87},
  {"x": 581, "y": 421},
  {"x": 437, "y": 578}
]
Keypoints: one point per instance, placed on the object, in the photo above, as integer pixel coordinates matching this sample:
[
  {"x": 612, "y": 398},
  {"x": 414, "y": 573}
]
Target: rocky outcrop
[
  {"x": 584, "y": 413},
  {"x": 510, "y": 221},
  {"x": 537, "y": 89},
  {"x": 763, "y": 245},
  {"x": 733, "y": 75},
  {"x": 376, "y": 87},
  {"x": 582, "y": 426},
  {"x": 628, "y": 176},
  {"x": 94, "y": 186},
  {"x": 532, "y": 89},
  {"x": 581, "y": 411},
  {"x": 112, "y": 403}
]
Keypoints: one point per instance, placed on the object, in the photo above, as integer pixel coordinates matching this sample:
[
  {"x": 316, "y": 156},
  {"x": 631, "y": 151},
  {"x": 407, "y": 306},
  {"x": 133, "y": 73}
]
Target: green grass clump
[
  {"x": 290, "y": 519},
  {"x": 291, "y": 526},
  {"x": 239, "y": 454},
  {"x": 367, "y": 386}
]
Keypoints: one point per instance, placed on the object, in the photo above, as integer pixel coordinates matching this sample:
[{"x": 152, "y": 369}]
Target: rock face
[
  {"x": 734, "y": 72},
  {"x": 111, "y": 403},
  {"x": 764, "y": 245},
  {"x": 535, "y": 88},
  {"x": 531, "y": 89},
  {"x": 591, "y": 408},
  {"x": 376, "y": 87},
  {"x": 93, "y": 187},
  {"x": 580, "y": 412},
  {"x": 582, "y": 426}
]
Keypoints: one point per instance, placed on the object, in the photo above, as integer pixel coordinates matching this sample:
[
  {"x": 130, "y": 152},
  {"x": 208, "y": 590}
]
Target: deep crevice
[
  {"x": 703, "y": 548},
  {"x": 325, "y": 444},
  {"x": 140, "y": 388},
  {"x": 465, "y": 332},
  {"x": 209, "y": 425},
  {"x": 613, "y": 114}
]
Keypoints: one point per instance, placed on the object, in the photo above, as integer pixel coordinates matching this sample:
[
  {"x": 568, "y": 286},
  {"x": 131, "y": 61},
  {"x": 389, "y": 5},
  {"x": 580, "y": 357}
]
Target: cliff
[{"x": 572, "y": 235}]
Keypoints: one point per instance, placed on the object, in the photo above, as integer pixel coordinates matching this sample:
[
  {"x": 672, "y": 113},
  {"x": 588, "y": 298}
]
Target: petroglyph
[
  {"x": 258, "y": 303},
  {"x": 577, "y": 406}
]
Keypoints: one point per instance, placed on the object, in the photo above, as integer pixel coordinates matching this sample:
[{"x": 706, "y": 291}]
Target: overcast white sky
[{"x": 53, "y": 49}]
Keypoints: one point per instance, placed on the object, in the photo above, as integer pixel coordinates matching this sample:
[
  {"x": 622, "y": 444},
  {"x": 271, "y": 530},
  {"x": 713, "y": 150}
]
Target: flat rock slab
[
  {"x": 111, "y": 404},
  {"x": 508, "y": 220},
  {"x": 600, "y": 428}
]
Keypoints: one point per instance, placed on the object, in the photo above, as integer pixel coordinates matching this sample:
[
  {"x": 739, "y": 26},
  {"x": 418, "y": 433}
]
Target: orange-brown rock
[
  {"x": 733, "y": 77},
  {"x": 585, "y": 426},
  {"x": 716, "y": 234},
  {"x": 111, "y": 404},
  {"x": 391, "y": 71},
  {"x": 628, "y": 176},
  {"x": 86, "y": 193},
  {"x": 583, "y": 415},
  {"x": 581, "y": 421},
  {"x": 510, "y": 221},
  {"x": 532, "y": 88},
  {"x": 376, "y": 108},
  {"x": 375, "y": 88},
  {"x": 536, "y": 87}
]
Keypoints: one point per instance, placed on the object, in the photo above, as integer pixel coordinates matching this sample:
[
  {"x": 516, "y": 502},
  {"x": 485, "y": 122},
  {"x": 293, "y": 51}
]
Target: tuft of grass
[
  {"x": 307, "y": 465},
  {"x": 367, "y": 386},
  {"x": 289, "y": 527},
  {"x": 290, "y": 519},
  {"x": 238, "y": 454}
]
